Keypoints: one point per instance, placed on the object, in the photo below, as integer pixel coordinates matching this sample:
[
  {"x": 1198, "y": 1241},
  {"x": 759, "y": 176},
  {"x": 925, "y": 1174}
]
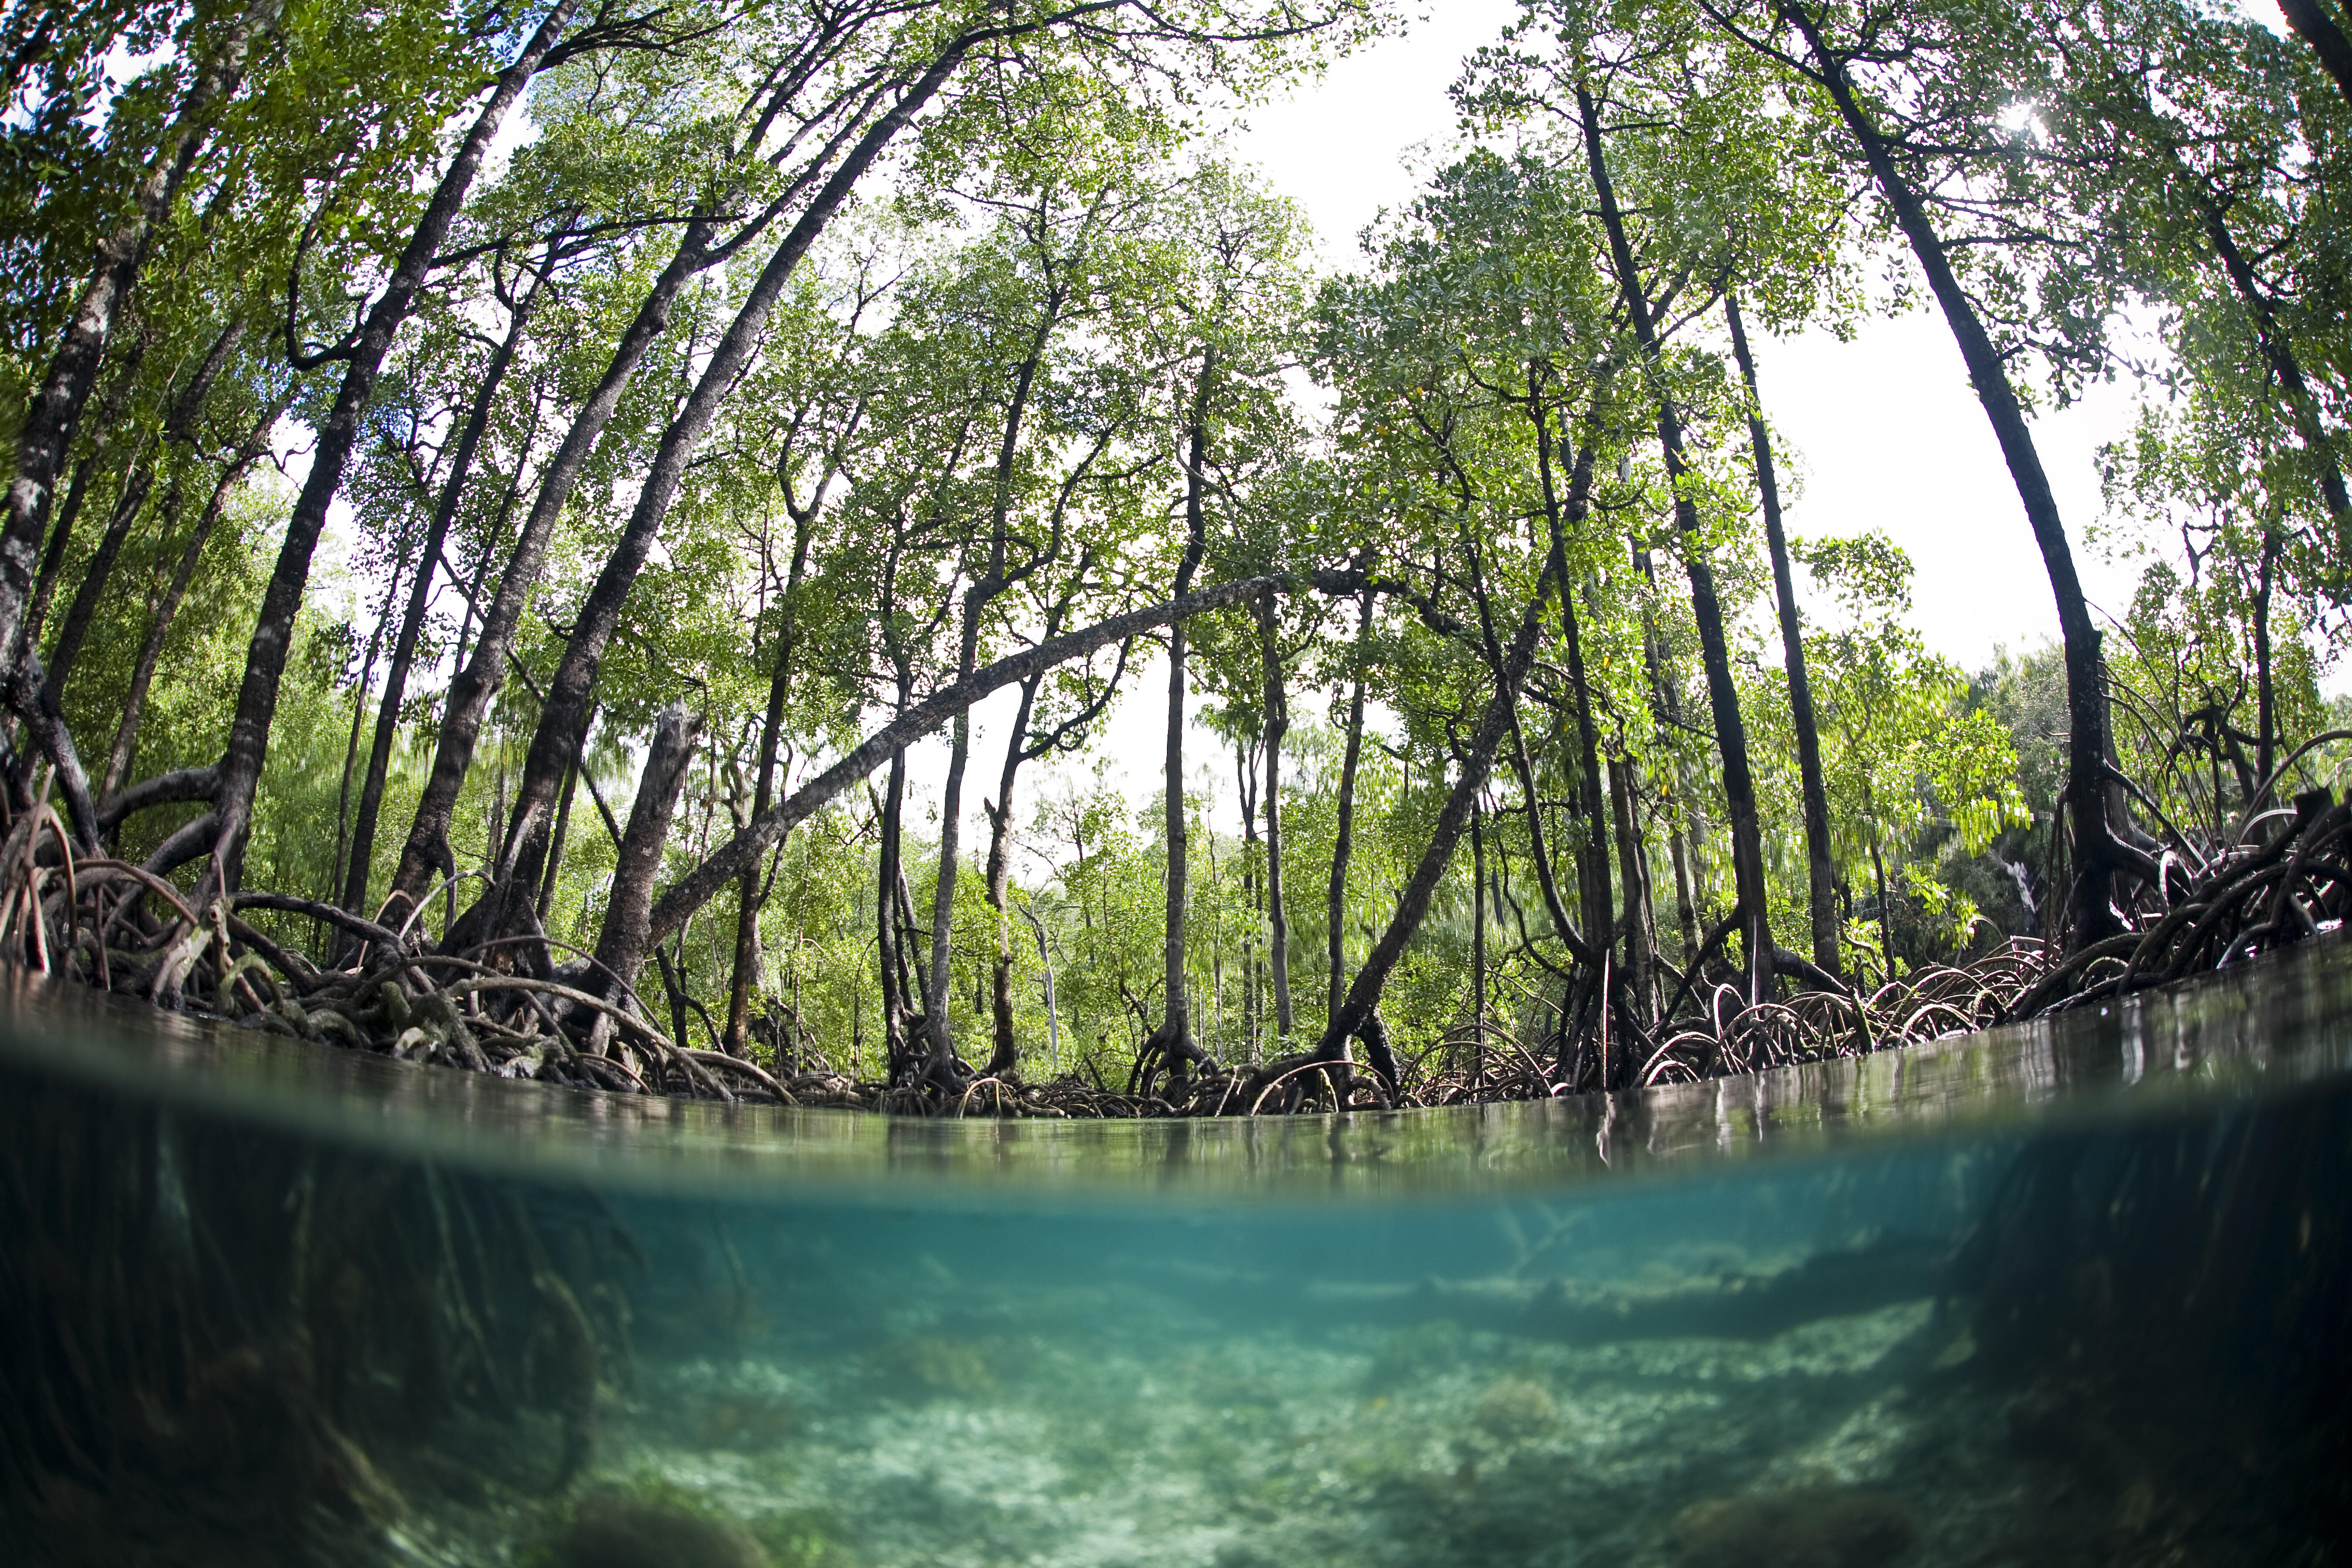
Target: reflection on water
[{"x": 2077, "y": 1294}]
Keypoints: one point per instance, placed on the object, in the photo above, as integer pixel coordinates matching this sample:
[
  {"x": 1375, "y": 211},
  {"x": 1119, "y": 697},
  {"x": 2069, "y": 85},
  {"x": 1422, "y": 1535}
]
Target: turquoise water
[{"x": 2072, "y": 1293}]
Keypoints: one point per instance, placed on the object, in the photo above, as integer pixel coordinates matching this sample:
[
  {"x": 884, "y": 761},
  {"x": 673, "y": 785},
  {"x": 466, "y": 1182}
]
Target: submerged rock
[
  {"x": 1515, "y": 1410},
  {"x": 1814, "y": 1527},
  {"x": 628, "y": 1533}
]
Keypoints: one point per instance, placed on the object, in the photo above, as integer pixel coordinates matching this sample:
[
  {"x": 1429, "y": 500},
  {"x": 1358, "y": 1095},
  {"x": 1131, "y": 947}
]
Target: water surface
[{"x": 2073, "y": 1292}]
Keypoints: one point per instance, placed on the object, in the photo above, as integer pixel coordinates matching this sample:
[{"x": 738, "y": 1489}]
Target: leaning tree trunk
[
  {"x": 81, "y": 610},
  {"x": 1276, "y": 725},
  {"x": 2310, "y": 19},
  {"x": 355, "y": 892},
  {"x": 98, "y": 576},
  {"x": 1355, "y": 1014},
  {"x": 1723, "y": 696},
  {"x": 45, "y": 583},
  {"x": 467, "y": 703},
  {"x": 625, "y": 941},
  {"x": 47, "y": 427},
  {"x": 183, "y": 572},
  {"x": 273, "y": 633},
  {"x": 2096, "y": 854},
  {"x": 465, "y": 706},
  {"x": 2278, "y": 354},
  {"x": 574, "y": 681},
  {"x": 1821, "y": 871}
]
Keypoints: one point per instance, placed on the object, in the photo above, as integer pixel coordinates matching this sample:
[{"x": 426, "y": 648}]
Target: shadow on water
[{"x": 2076, "y": 1292}]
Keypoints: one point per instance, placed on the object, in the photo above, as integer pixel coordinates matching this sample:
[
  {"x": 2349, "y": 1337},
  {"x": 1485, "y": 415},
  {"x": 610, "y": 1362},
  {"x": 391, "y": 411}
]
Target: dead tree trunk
[{"x": 699, "y": 886}]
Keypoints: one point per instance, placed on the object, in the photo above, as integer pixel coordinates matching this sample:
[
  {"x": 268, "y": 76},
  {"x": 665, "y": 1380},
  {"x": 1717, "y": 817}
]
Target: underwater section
[{"x": 2076, "y": 1293}]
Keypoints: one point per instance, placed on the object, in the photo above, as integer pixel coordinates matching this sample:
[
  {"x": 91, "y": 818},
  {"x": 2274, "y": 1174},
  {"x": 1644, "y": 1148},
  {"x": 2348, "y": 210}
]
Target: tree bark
[
  {"x": 1821, "y": 871},
  {"x": 982, "y": 590},
  {"x": 1592, "y": 870},
  {"x": 466, "y": 705},
  {"x": 1172, "y": 1044},
  {"x": 2279, "y": 355},
  {"x": 352, "y": 746},
  {"x": 1723, "y": 696},
  {"x": 2096, "y": 855},
  {"x": 573, "y": 683},
  {"x": 1477, "y": 937},
  {"x": 1245, "y": 782},
  {"x": 99, "y": 575},
  {"x": 625, "y": 938},
  {"x": 53, "y": 561},
  {"x": 355, "y": 892},
  {"x": 1640, "y": 967},
  {"x": 1004, "y": 1053},
  {"x": 273, "y": 632},
  {"x": 744, "y": 973},
  {"x": 2321, "y": 31},
  {"x": 1276, "y": 726},
  {"x": 1355, "y": 1012},
  {"x": 96, "y": 578},
  {"x": 1344, "y": 840},
  {"x": 2266, "y": 735},
  {"x": 891, "y": 950},
  {"x": 184, "y": 573},
  {"x": 47, "y": 427},
  {"x": 562, "y": 829}
]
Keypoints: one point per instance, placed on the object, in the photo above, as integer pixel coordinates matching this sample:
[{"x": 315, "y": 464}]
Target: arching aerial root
[{"x": 112, "y": 924}]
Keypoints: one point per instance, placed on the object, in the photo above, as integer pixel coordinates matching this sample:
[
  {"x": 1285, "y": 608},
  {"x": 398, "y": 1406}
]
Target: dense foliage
[{"x": 506, "y": 491}]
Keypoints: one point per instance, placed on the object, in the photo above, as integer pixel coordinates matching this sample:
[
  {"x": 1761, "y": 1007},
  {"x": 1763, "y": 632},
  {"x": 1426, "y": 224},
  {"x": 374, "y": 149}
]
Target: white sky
[{"x": 1882, "y": 432}]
